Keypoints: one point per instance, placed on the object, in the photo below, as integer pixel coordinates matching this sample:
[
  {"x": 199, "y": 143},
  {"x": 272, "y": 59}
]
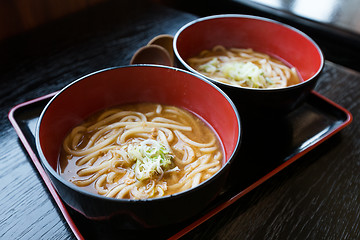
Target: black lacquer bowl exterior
[
  {"x": 138, "y": 83},
  {"x": 263, "y": 35}
]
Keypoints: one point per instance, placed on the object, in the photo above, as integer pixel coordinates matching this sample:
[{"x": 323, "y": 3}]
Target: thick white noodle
[
  {"x": 279, "y": 74},
  {"x": 103, "y": 162}
]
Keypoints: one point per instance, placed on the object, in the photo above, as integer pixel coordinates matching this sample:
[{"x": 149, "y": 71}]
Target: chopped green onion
[
  {"x": 242, "y": 72},
  {"x": 211, "y": 66},
  {"x": 248, "y": 71},
  {"x": 151, "y": 159}
]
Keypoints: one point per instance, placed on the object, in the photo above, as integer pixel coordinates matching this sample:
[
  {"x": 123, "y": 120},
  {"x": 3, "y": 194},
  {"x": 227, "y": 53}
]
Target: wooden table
[{"x": 316, "y": 197}]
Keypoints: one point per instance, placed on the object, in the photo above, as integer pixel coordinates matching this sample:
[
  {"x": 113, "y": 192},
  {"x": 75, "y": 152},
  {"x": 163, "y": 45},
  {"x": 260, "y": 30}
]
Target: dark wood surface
[{"x": 317, "y": 197}]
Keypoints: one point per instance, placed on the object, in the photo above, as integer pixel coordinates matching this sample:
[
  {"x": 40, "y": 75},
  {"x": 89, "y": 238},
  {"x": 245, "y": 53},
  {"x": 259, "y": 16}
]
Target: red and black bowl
[
  {"x": 276, "y": 39},
  {"x": 133, "y": 84}
]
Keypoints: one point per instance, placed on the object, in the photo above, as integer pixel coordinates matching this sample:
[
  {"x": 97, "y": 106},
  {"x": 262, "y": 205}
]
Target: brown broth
[
  {"x": 201, "y": 133},
  {"x": 202, "y": 61}
]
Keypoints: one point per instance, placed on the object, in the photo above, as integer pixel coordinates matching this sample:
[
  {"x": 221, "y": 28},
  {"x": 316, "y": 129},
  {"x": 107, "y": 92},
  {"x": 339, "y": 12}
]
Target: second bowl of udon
[
  {"x": 262, "y": 64},
  {"x": 139, "y": 143}
]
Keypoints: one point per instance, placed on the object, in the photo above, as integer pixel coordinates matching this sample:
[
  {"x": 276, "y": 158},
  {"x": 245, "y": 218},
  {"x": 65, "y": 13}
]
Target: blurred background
[
  {"x": 333, "y": 24},
  {"x": 18, "y": 16}
]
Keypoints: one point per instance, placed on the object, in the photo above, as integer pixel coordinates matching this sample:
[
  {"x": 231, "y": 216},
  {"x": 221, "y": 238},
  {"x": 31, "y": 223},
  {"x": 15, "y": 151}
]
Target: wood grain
[
  {"x": 315, "y": 198},
  {"x": 18, "y": 16}
]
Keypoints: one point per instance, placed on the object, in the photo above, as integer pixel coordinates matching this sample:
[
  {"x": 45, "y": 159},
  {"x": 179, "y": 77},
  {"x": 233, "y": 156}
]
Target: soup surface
[
  {"x": 244, "y": 67},
  {"x": 140, "y": 151}
]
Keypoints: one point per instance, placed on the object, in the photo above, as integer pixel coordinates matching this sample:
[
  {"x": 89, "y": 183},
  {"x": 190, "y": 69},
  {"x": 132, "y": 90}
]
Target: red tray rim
[{"x": 200, "y": 220}]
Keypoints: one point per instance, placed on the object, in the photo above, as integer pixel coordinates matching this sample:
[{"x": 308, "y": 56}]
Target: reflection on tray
[{"x": 268, "y": 145}]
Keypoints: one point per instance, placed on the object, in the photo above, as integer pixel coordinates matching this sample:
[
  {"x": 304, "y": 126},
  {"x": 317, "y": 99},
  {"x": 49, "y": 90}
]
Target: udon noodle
[
  {"x": 244, "y": 67},
  {"x": 140, "y": 151}
]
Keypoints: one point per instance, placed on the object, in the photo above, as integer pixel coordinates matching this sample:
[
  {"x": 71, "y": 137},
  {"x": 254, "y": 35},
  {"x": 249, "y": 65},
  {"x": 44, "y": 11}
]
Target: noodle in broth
[
  {"x": 140, "y": 151},
  {"x": 244, "y": 67}
]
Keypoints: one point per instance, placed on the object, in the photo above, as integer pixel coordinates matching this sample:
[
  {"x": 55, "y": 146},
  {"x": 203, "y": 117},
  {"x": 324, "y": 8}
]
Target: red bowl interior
[
  {"x": 263, "y": 35},
  {"x": 136, "y": 84}
]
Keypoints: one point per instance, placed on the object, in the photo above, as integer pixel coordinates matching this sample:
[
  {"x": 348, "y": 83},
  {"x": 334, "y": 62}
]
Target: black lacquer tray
[{"x": 283, "y": 140}]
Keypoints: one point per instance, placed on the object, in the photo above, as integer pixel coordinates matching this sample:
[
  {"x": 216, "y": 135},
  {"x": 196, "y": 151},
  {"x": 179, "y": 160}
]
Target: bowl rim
[
  {"x": 75, "y": 188},
  {"x": 246, "y": 16}
]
